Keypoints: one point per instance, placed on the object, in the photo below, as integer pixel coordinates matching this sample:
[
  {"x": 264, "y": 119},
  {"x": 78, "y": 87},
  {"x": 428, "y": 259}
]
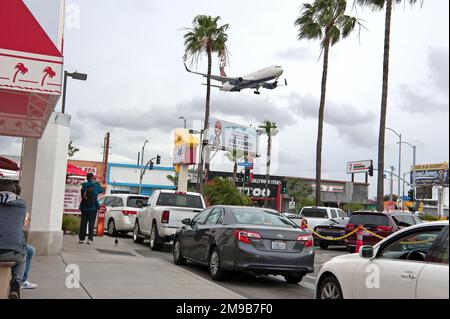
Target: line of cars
[{"x": 412, "y": 262}]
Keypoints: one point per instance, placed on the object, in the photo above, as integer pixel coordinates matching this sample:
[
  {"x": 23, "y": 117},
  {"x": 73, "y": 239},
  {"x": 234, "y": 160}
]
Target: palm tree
[
  {"x": 48, "y": 73},
  {"x": 270, "y": 129},
  {"x": 324, "y": 20},
  {"x": 379, "y": 5},
  {"x": 206, "y": 36},
  {"x": 234, "y": 156},
  {"x": 20, "y": 67}
]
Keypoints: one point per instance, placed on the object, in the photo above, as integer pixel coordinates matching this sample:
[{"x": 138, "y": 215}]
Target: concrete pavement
[{"x": 109, "y": 271}]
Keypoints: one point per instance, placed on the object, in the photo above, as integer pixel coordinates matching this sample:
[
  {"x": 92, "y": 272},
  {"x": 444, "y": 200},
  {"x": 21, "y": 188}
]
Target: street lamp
[
  {"x": 76, "y": 76},
  {"x": 184, "y": 119},
  {"x": 399, "y": 156},
  {"x": 142, "y": 164},
  {"x": 414, "y": 168}
]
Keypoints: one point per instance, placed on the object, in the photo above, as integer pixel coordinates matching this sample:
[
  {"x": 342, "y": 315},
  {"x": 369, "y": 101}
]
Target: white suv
[{"x": 121, "y": 211}]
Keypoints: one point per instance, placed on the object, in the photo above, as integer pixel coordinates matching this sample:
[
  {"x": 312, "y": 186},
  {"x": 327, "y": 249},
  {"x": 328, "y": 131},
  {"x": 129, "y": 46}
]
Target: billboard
[
  {"x": 358, "y": 167},
  {"x": 227, "y": 136},
  {"x": 431, "y": 174}
]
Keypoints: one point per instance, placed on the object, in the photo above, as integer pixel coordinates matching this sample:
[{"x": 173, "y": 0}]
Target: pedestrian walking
[{"x": 89, "y": 206}]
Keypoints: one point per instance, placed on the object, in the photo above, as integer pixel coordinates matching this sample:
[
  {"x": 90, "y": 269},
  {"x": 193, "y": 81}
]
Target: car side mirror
[
  {"x": 366, "y": 252},
  {"x": 187, "y": 222}
]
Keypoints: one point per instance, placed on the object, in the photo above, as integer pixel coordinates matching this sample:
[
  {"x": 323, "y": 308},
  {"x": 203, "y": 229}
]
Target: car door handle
[{"x": 408, "y": 275}]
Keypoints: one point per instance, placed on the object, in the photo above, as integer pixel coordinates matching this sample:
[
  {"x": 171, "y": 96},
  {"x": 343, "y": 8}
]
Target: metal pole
[
  {"x": 63, "y": 107},
  {"x": 391, "y": 197},
  {"x": 414, "y": 174},
  {"x": 399, "y": 163},
  {"x": 141, "y": 168}
]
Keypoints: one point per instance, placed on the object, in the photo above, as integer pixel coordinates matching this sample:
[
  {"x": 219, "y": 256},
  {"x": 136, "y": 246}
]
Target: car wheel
[
  {"x": 178, "y": 258},
  {"x": 155, "y": 240},
  {"x": 112, "y": 232},
  {"x": 323, "y": 245},
  {"x": 136, "y": 233},
  {"x": 291, "y": 279},
  {"x": 330, "y": 289},
  {"x": 215, "y": 268}
]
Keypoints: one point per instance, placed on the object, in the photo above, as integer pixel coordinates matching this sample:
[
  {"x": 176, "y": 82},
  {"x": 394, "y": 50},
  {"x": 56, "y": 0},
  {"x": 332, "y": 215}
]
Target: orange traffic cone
[
  {"x": 304, "y": 224},
  {"x": 359, "y": 238}
]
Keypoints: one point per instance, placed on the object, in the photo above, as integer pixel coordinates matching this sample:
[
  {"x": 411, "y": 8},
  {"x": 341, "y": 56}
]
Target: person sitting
[{"x": 12, "y": 239}]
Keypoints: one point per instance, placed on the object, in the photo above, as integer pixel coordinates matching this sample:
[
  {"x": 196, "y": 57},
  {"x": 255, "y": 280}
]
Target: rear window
[
  {"x": 133, "y": 201},
  {"x": 179, "y": 200},
  {"x": 314, "y": 213},
  {"x": 262, "y": 218},
  {"x": 403, "y": 220},
  {"x": 369, "y": 219}
]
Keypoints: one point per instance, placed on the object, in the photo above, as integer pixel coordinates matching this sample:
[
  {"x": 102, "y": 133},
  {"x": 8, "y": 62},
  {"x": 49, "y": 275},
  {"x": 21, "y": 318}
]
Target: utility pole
[
  {"x": 391, "y": 196},
  {"x": 141, "y": 167},
  {"x": 105, "y": 156}
]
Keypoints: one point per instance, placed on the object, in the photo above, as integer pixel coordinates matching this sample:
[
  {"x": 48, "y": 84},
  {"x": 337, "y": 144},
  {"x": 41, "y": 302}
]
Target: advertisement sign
[
  {"x": 431, "y": 174},
  {"x": 227, "y": 136},
  {"x": 184, "y": 154},
  {"x": 72, "y": 198},
  {"x": 358, "y": 167}
]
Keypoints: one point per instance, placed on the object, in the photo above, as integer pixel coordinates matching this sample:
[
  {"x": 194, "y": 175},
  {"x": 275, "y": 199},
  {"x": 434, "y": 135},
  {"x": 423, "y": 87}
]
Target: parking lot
[{"x": 247, "y": 285}]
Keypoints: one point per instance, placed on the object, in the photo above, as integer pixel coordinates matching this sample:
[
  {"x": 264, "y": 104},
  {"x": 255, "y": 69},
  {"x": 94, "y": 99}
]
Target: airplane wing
[{"x": 219, "y": 78}]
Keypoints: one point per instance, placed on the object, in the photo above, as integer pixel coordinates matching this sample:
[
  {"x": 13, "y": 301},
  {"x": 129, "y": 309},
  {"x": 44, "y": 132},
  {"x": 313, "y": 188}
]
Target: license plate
[{"x": 279, "y": 245}]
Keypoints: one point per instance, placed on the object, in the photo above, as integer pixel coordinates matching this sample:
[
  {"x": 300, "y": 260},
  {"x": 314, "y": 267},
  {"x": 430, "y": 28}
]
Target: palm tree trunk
[
  {"x": 320, "y": 126},
  {"x": 269, "y": 146},
  {"x": 235, "y": 172},
  {"x": 384, "y": 97},
  {"x": 205, "y": 161}
]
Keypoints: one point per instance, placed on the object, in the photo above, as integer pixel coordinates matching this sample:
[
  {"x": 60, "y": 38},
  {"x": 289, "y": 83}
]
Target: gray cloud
[
  {"x": 414, "y": 102},
  {"x": 295, "y": 53},
  {"x": 438, "y": 62}
]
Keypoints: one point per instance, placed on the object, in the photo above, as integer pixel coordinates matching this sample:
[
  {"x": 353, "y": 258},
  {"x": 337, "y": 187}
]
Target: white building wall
[{"x": 129, "y": 175}]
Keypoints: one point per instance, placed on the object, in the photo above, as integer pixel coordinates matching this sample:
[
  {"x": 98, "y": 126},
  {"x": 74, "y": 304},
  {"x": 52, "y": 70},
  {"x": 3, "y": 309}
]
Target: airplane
[{"x": 254, "y": 80}]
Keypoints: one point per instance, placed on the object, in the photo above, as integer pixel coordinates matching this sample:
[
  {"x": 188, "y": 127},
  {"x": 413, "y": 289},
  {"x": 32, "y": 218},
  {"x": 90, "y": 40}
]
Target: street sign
[
  {"x": 359, "y": 167},
  {"x": 291, "y": 205},
  {"x": 246, "y": 164}
]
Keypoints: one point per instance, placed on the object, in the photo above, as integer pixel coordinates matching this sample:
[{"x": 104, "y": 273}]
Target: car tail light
[
  {"x": 180, "y": 193},
  {"x": 385, "y": 228},
  {"x": 128, "y": 213},
  {"x": 349, "y": 227},
  {"x": 165, "y": 217},
  {"x": 246, "y": 236},
  {"x": 309, "y": 242}
]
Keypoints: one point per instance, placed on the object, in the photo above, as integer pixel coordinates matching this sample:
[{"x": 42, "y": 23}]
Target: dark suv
[{"x": 380, "y": 223}]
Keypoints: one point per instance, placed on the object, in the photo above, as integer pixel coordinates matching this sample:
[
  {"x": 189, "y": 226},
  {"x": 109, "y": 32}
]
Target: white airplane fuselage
[{"x": 255, "y": 79}]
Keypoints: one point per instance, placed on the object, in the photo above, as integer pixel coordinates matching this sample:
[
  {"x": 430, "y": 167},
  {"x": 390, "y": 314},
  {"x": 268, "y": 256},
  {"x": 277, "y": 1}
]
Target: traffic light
[
  {"x": 250, "y": 177},
  {"x": 284, "y": 187},
  {"x": 247, "y": 175},
  {"x": 151, "y": 165},
  {"x": 158, "y": 159},
  {"x": 411, "y": 194},
  {"x": 371, "y": 170}
]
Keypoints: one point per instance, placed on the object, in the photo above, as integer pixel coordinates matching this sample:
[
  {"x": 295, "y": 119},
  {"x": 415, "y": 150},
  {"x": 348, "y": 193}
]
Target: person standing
[
  {"x": 89, "y": 206},
  {"x": 12, "y": 239}
]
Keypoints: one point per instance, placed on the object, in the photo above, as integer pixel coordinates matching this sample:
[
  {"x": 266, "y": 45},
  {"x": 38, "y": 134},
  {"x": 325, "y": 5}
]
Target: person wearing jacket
[
  {"x": 89, "y": 206},
  {"x": 13, "y": 246}
]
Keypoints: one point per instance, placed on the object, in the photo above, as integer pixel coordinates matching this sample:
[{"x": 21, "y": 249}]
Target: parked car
[
  {"x": 162, "y": 216},
  {"x": 411, "y": 263},
  {"x": 333, "y": 228},
  {"x": 121, "y": 211},
  {"x": 315, "y": 216},
  {"x": 381, "y": 223},
  {"x": 258, "y": 240},
  {"x": 294, "y": 217}
]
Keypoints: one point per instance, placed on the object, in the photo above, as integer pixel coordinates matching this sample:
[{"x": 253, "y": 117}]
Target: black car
[
  {"x": 258, "y": 240},
  {"x": 332, "y": 228}
]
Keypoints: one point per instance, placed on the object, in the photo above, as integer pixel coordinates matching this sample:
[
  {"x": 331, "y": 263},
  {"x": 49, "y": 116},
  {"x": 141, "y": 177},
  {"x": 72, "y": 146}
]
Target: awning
[
  {"x": 74, "y": 170},
  {"x": 31, "y": 70},
  {"x": 7, "y": 164}
]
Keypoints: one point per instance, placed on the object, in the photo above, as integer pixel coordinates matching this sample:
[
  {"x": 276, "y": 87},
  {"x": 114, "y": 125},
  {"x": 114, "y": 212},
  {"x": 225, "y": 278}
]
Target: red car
[{"x": 380, "y": 223}]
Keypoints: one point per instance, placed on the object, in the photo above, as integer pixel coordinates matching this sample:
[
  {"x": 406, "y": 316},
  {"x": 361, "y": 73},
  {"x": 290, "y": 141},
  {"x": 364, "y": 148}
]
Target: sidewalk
[{"x": 107, "y": 271}]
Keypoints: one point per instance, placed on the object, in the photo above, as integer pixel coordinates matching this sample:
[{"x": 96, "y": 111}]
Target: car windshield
[
  {"x": 135, "y": 200},
  {"x": 369, "y": 219},
  {"x": 179, "y": 200},
  {"x": 262, "y": 218},
  {"x": 314, "y": 213}
]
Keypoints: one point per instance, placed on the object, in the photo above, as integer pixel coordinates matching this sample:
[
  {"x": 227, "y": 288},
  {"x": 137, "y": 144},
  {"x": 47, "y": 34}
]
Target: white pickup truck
[
  {"x": 162, "y": 216},
  {"x": 315, "y": 216}
]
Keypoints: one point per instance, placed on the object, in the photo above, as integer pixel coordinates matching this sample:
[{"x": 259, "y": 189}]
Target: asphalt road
[{"x": 247, "y": 285}]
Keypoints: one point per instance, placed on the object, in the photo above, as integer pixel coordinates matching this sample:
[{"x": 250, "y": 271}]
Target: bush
[
  {"x": 429, "y": 218},
  {"x": 223, "y": 192},
  {"x": 352, "y": 207},
  {"x": 71, "y": 223}
]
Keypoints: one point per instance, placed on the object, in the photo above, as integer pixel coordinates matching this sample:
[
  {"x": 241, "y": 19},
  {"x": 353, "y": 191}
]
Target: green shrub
[
  {"x": 429, "y": 218},
  {"x": 352, "y": 207},
  {"x": 223, "y": 192},
  {"x": 71, "y": 223}
]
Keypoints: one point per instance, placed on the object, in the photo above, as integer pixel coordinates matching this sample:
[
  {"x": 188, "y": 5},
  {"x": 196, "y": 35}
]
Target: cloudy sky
[{"x": 137, "y": 85}]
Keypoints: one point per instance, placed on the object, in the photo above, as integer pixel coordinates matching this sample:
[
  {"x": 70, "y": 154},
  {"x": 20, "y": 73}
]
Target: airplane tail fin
[{"x": 222, "y": 71}]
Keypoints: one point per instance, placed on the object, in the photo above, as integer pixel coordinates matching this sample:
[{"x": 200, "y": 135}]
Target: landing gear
[{"x": 257, "y": 92}]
